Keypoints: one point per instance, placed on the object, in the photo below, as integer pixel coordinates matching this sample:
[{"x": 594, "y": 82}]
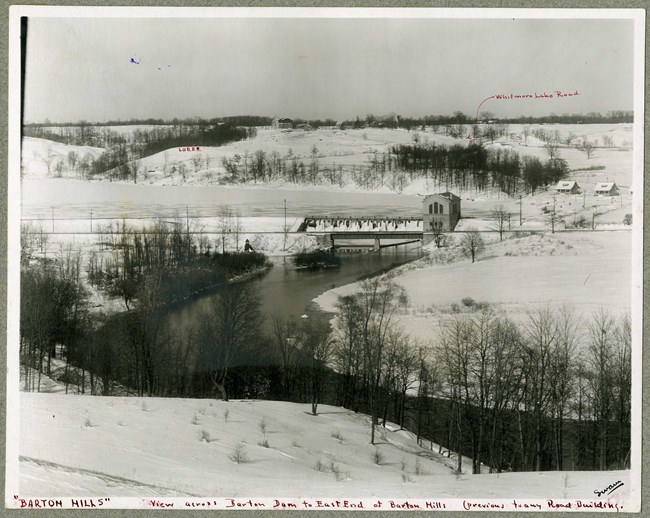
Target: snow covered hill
[{"x": 88, "y": 446}]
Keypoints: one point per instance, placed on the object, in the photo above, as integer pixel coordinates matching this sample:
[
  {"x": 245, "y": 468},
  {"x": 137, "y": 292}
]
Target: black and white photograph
[{"x": 325, "y": 258}]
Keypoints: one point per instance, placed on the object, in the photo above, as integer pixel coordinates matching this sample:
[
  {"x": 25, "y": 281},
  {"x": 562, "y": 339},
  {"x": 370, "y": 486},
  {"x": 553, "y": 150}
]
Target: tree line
[
  {"x": 391, "y": 120},
  {"x": 552, "y": 392},
  {"x": 149, "y": 270}
]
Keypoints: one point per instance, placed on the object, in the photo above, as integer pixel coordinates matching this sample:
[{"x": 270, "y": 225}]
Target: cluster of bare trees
[
  {"x": 148, "y": 269},
  {"x": 53, "y": 313},
  {"x": 456, "y": 166},
  {"x": 377, "y": 362},
  {"x": 549, "y": 393},
  {"x": 477, "y": 166},
  {"x": 79, "y": 134},
  {"x": 261, "y": 166}
]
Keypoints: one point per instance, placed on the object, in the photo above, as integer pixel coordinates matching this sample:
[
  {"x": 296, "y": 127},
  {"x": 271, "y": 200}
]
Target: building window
[
  {"x": 430, "y": 209},
  {"x": 435, "y": 208}
]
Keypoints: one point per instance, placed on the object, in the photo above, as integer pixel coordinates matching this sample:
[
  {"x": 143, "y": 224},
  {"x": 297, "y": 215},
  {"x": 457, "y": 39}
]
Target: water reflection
[{"x": 289, "y": 292}]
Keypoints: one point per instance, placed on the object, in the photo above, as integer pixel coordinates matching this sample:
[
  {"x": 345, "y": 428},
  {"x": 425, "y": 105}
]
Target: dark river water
[{"x": 289, "y": 292}]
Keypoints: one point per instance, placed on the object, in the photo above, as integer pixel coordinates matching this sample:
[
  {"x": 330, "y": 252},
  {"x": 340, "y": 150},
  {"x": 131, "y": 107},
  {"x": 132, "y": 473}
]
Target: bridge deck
[{"x": 381, "y": 234}]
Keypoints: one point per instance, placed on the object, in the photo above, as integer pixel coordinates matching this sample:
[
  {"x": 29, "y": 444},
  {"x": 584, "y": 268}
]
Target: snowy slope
[
  {"x": 514, "y": 275},
  {"x": 36, "y": 153},
  {"x": 87, "y": 446}
]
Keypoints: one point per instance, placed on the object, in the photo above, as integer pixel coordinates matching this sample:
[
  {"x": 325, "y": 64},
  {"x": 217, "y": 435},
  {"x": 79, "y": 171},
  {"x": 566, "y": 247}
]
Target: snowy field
[
  {"x": 90, "y": 446},
  {"x": 584, "y": 270}
]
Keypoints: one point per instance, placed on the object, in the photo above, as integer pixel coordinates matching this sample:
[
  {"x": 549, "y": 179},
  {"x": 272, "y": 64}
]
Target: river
[{"x": 289, "y": 292}]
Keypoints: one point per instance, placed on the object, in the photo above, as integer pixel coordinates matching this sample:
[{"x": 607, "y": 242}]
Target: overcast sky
[{"x": 316, "y": 68}]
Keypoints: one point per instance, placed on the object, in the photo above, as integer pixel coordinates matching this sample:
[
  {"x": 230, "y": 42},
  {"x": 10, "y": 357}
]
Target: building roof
[
  {"x": 605, "y": 186},
  {"x": 447, "y": 195},
  {"x": 566, "y": 184}
]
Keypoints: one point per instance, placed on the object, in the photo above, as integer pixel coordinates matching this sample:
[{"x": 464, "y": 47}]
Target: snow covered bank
[
  {"x": 563, "y": 268},
  {"x": 88, "y": 446}
]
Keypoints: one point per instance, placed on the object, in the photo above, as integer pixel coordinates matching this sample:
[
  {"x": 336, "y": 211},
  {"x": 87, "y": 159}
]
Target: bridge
[
  {"x": 370, "y": 239},
  {"x": 353, "y": 232},
  {"x": 359, "y": 223}
]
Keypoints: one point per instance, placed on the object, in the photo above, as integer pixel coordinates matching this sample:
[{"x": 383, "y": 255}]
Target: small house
[
  {"x": 282, "y": 123},
  {"x": 567, "y": 187},
  {"x": 441, "y": 212},
  {"x": 606, "y": 189}
]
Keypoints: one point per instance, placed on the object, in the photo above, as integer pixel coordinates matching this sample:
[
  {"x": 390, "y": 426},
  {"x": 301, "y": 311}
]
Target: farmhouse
[
  {"x": 567, "y": 187},
  {"x": 441, "y": 212},
  {"x": 281, "y": 123},
  {"x": 606, "y": 189}
]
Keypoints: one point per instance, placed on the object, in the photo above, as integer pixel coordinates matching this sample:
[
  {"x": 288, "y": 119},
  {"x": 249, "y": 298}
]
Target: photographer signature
[{"x": 609, "y": 489}]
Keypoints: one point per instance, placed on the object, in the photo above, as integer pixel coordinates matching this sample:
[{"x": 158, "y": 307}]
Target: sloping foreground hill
[{"x": 86, "y": 446}]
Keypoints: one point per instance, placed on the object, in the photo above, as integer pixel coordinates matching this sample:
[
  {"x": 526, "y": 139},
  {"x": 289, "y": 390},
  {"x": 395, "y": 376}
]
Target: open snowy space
[
  {"x": 583, "y": 270},
  {"x": 90, "y": 446}
]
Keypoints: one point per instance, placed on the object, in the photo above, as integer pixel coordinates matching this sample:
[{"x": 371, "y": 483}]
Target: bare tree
[
  {"x": 563, "y": 385},
  {"x": 348, "y": 353},
  {"x": 317, "y": 349},
  {"x": 586, "y": 147},
  {"x": 455, "y": 355},
  {"x": 196, "y": 161},
  {"x": 526, "y": 133},
  {"x": 542, "y": 337},
  {"x": 377, "y": 301},
  {"x": 232, "y": 323},
  {"x": 491, "y": 132},
  {"x": 600, "y": 358},
  {"x": 73, "y": 158},
  {"x": 287, "y": 336},
  {"x": 500, "y": 220},
  {"x": 471, "y": 243},
  {"x": 48, "y": 159},
  {"x": 570, "y": 138},
  {"x": 622, "y": 378},
  {"x": 552, "y": 148},
  {"x": 224, "y": 224},
  {"x": 58, "y": 167}
]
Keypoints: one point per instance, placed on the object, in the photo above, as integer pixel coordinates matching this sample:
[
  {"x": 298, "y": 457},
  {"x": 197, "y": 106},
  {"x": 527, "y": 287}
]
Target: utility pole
[
  {"x": 520, "y": 210},
  {"x": 553, "y": 214},
  {"x": 285, "y": 226}
]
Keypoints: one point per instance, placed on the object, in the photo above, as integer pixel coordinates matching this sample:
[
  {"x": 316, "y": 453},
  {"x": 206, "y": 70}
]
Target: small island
[{"x": 316, "y": 260}]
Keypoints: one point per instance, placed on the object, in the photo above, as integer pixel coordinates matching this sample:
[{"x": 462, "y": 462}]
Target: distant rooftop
[{"x": 448, "y": 195}]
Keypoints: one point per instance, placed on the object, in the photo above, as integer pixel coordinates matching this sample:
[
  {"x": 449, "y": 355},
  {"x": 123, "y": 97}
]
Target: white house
[
  {"x": 606, "y": 189},
  {"x": 282, "y": 123},
  {"x": 567, "y": 187}
]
